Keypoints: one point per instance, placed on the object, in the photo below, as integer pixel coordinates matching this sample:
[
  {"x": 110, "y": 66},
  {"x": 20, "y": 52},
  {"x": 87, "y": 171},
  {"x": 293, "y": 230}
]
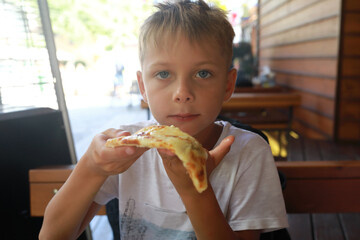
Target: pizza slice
[{"x": 184, "y": 146}]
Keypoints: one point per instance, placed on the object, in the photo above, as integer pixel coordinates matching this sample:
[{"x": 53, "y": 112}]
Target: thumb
[{"x": 220, "y": 151}]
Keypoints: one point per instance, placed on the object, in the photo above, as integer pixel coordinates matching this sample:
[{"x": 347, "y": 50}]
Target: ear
[
  {"x": 141, "y": 85},
  {"x": 230, "y": 84}
]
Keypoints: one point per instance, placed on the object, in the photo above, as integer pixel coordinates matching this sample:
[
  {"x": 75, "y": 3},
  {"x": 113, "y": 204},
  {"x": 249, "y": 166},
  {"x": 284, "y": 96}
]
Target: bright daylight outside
[{"x": 96, "y": 44}]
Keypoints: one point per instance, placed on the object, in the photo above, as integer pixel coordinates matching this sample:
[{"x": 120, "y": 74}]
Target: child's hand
[
  {"x": 177, "y": 172},
  {"x": 217, "y": 154},
  {"x": 110, "y": 161}
]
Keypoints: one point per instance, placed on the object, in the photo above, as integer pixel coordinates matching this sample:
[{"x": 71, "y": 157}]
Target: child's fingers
[
  {"x": 166, "y": 152},
  {"x": 109, "y": 153},
  {"x": 112, "y": 133},
  {"x": 220, "y": 151}
]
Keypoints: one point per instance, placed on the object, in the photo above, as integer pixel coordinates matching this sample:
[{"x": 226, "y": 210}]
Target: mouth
[{"x": 184, "y": 117}]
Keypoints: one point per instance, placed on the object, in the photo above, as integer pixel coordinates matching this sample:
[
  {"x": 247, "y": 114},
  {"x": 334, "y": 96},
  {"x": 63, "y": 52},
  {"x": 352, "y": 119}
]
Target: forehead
[{"x": 168, "y": 43}]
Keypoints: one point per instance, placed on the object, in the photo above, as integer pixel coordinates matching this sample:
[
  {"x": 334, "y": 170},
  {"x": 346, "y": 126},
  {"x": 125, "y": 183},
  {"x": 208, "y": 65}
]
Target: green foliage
[{"x": 85, "y": 21}]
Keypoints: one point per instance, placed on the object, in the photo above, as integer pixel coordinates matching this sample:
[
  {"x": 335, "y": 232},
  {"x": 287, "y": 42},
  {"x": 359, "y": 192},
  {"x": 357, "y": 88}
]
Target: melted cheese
[{"x": 184, "y": 146}]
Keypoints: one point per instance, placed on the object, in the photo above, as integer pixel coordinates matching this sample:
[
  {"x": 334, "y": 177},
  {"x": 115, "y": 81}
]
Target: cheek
[
  {"x": 212, "y": 101},
  {"x": 158, "y": 101},
  {"x": 215, "y": 93}
]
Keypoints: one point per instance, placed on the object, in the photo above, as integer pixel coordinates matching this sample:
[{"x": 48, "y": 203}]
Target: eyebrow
[
  {"x": 163, "y": 63},
  {"x": 159, "y": 64},
  {"x": 206, "y": 63}
]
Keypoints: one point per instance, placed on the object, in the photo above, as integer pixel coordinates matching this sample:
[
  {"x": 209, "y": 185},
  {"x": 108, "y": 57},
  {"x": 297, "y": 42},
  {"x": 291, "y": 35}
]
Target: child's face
[{"x": 186, "y": 84}]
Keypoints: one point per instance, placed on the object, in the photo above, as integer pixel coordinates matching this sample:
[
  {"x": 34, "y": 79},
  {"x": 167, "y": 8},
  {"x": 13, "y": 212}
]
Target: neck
[{"x": 209, "y": 136}]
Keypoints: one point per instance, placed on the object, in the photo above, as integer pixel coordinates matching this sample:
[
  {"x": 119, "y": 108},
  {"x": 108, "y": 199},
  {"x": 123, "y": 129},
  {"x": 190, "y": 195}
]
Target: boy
[{"x": 185, "y": 54}]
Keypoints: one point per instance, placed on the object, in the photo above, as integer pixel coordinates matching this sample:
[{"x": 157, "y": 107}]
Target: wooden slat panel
[
  {"x": 324, "y": 124},
  {"x": 327, "y": 226},
  {"x": 322, "y": 86},
  {"x": 352, "y": 23},
  {"x": 350, "y": 222},
  {"x": 270, "y": 6},
  {"x": 299, "y": 226},
  {"x": 284, "y": 10},
  {"x": 299, "y": 42},
  {"x": 350, "y": 67},
  {"x": 351, "y": 46},
  {"x": 349, "y": 131},
  {"x": 323, "y": 67},
  {"x": 318, "y": 104},
  {"x": 318, "y": 11},
  {"x": 322, "y": 29},
  {"x": 263, "y": 2},
  {"x": 317, "y": 48},
  {"x": 350, "y": 110},
  {"x": 350, "y": 88},
  {"x": 351, "y": 5},
  {"x": 307, "y": 131},
  {"x": 348, "y": 126}
]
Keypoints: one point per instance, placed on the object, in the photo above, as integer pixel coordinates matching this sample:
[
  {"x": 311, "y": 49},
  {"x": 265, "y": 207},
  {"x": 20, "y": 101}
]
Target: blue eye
[
  {"x": 163, "y": 75},
  {"x": 203, "y": 74}
]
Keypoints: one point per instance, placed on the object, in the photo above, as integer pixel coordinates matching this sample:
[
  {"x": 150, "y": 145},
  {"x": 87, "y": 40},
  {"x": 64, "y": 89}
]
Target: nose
[{"x": 183, "y": 92}]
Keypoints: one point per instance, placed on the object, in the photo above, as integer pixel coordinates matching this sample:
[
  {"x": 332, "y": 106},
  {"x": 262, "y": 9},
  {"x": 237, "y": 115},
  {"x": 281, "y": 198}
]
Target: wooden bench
[
  {"x": 322, "y": 193},
  {"x": 44, "y": 184}
]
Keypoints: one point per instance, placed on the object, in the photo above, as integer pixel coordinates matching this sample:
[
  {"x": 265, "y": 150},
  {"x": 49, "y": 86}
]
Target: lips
[{"x": 184, "y": 117}]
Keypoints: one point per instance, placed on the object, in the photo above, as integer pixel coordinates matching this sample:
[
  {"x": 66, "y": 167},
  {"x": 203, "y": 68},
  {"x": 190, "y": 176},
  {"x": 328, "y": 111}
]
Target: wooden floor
[
  {"x": 323, "y": 226},
  {"x": 302, "y": 149}
]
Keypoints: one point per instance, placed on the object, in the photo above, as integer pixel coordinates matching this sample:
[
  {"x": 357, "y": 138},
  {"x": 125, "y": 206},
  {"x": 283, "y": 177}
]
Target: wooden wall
[
  {"x": 348, "y": 108},
  {"x": 299, "y": 40}
]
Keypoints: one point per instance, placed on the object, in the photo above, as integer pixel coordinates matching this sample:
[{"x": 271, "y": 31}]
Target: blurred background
[
  {"x": 97, "y": 58},
  {"x": 96, "y": 49}
]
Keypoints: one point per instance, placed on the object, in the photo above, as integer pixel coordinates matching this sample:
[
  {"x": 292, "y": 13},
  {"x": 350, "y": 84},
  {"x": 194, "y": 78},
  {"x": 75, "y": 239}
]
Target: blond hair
[{"x": 195, "y": 19}]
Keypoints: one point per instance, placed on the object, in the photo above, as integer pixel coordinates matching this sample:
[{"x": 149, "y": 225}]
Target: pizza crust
[{"x": 184, "y": 146}]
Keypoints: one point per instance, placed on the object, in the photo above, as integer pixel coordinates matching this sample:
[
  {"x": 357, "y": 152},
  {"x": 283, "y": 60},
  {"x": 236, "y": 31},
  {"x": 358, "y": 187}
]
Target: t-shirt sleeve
[
  {"x": 108, "y": 191},
  {"x": 257, "y": 201}
]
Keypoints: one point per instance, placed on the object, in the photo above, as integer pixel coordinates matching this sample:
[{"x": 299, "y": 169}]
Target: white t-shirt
[{"x": 246, "y": 185}]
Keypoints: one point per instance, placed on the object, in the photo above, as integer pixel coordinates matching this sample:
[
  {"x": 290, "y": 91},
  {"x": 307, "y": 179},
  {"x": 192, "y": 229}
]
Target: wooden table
[
  {"x": 260, "y": 89},
  {"x": 243, "y": 101},
  {"x": 265, "y": 111}
]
